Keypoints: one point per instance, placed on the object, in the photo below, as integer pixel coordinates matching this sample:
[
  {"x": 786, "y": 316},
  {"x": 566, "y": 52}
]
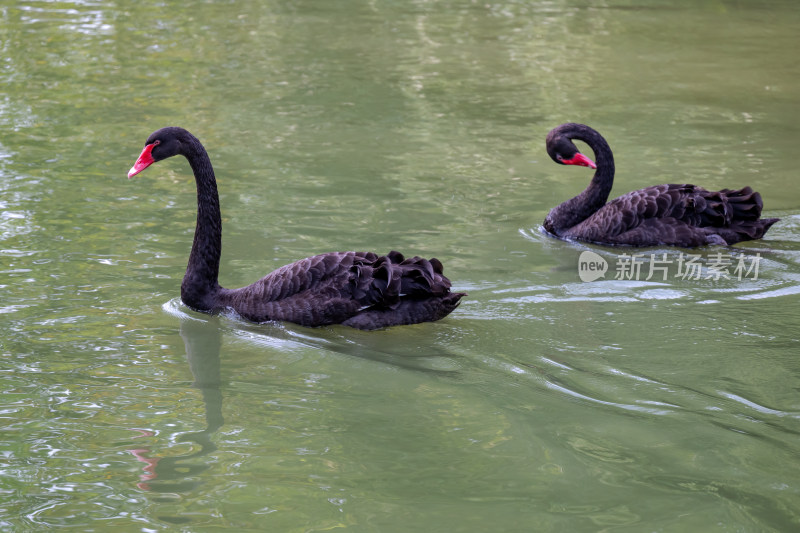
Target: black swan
[
  {"x": 359, "y": 289},
  {"x": 672, "y": 215}
]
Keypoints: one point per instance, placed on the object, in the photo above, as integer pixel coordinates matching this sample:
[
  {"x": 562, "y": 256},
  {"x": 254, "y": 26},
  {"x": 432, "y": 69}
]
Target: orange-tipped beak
[
  {"x": 144, "y": 161},
  {"x": 579, "y": 159}
]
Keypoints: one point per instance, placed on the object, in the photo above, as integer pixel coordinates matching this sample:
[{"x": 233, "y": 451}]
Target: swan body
[
  {"x": 673, "y": 215},
  {"x": 359, "y": 289}
]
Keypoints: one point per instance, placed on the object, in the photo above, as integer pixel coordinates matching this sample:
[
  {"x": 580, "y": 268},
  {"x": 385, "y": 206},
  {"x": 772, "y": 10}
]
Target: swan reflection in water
[
  {"x": 176, "y": 474},
  {"x": 203, "y": 340}
]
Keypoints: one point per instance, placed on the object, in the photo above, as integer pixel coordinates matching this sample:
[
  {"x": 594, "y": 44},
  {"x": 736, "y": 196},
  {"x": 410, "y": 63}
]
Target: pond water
[{"x": 543, "y": 403}]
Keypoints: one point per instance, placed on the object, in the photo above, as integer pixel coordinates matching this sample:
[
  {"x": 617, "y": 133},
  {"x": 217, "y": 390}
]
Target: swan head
[
  {"x": 563, "y": 151},
  {"x": 161, "y": 144}
]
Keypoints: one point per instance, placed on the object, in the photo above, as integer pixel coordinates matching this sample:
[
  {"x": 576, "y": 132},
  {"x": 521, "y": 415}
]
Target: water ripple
[
  {"x": 627, "y": 407},
  {"x": 756, "y": 407}
]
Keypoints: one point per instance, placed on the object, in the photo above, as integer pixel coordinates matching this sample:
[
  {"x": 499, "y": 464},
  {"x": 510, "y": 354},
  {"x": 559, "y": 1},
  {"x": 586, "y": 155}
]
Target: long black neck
[
  {"x": 581, "y": 207},
  {"x": 200, "y": 283}
]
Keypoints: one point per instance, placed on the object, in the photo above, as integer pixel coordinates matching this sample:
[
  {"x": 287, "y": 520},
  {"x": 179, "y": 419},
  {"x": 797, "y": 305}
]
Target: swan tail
[
  {"x": 407, "y": 311},
  {"x": 386, "y": 280},
  {"x": 743, "y": 204},
  {"x": 374, "y": 282},
  {"x": 420, "y": 276},
  {"x": 393, "y": 290},
  {"x": 737, "y": 211},
  {"x": 746, "y": 230},
  {"x": 743, "y": 220}
]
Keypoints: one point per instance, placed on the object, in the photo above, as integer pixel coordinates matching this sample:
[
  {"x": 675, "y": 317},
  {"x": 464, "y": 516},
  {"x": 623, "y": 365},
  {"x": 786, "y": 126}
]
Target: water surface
[{"x": 542, "y": 404}]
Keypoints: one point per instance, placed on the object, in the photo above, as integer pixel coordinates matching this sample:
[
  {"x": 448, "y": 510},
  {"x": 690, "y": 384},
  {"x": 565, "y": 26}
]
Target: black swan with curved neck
[
  {"x": 672, "y": 215},
  {"x": 359, "y": 289}
]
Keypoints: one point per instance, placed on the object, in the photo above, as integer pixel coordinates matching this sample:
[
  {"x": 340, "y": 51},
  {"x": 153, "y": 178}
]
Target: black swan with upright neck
[
  {"x": 363, "y": 290},
  {"x": 672, "y": 215}
]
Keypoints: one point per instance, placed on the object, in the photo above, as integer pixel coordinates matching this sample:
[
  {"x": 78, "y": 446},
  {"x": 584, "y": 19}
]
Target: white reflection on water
[
  {"x": 83, "y": 20},
  {"x": 627, "y": 407}
]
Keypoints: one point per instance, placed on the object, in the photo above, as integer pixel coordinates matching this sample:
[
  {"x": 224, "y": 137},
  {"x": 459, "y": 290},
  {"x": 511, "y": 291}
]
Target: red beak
[
  {"x": 144, "y": 161},
  {"x": 580, "y": 160}
]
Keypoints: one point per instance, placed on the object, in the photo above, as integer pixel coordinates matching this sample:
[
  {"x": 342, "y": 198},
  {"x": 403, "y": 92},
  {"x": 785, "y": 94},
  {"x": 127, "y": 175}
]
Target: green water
[{"x": 542, "y": 404}]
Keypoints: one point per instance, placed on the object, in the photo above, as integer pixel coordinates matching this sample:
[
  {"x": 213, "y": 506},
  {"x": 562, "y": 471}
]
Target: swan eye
[{"x": 156, "y": 142}]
